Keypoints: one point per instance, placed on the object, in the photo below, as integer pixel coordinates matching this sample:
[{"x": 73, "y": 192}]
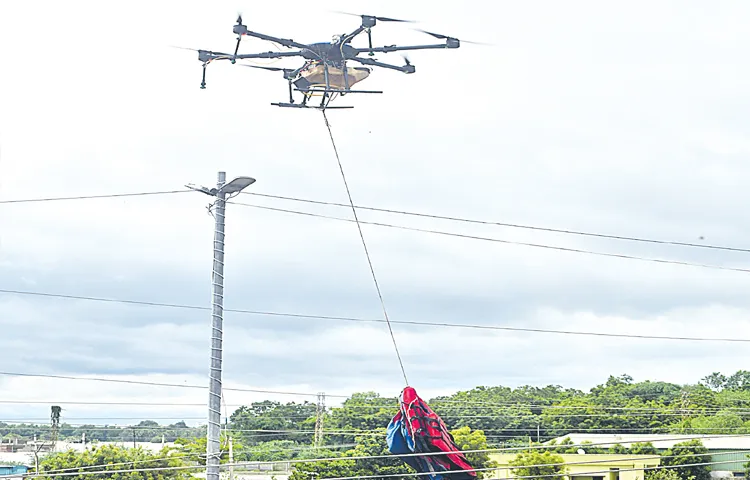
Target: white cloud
[{"x": 584, "y": 116}]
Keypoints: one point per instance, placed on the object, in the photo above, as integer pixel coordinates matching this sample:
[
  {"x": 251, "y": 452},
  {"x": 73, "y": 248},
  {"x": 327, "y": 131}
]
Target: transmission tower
[
  {"x": 685, "y": 405},
  {"x": 319, "y": 415},
  {"x": 55, "y": 421}
]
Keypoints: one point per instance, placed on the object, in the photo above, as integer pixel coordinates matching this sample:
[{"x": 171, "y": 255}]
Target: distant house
[
  {"x": 13, "y": 470},
  {"x": 590, "y": 466},
  {"x": 728, "y": 452}
]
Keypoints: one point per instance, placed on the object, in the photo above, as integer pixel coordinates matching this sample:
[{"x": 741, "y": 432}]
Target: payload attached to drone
[{"x": 325, "y": 71}]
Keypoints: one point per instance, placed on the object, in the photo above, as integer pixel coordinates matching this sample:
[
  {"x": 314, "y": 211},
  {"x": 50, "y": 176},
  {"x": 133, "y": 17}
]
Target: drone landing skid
[
  {"x": 302, "y": 105},
  {"x": 334, "y": 90}
]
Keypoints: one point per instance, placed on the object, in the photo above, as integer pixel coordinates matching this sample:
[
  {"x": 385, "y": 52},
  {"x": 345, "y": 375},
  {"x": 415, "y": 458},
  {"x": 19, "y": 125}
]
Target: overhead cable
[
  {"x": 402, "y": 212},
  {"x": 89, "y": 197},
  {"x": 367, "y": 457},
  {"x": 367, "y": 320},
  {"x": 504, "y": 224},
  {"x": 498, "y": 240}
]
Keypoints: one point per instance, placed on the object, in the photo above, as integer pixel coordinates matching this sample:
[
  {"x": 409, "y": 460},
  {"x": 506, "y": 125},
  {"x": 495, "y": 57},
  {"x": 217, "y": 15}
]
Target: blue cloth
[{"x": 400, "y": 442}]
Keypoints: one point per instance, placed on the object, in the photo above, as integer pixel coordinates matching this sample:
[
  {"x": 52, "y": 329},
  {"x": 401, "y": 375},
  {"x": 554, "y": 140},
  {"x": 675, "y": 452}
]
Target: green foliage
[
  {"x": 468, "y": 440},
  {"x": 538, "y": 464},
  {"x": 643, "y": 448},
  {"x": 686, "y": 453},
  {"x": 663, "y": 474},
  {"x": 350, "y": 465},
  {"x": 145, "y": 431},
  {"x": 268, "y": 415},
  {"x": 108, "y": 458},
  {"x": 195, "y": 448},
  {"x": 366, "y": 411}
]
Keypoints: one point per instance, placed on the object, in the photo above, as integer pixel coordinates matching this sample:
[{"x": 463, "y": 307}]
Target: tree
[
  {"x": 738, "y": 381},
  {"x": 109, "y": 458},
  {"x": 687, "y": 453},
  {"x": 538, "y": 464},
  {"x": 662, "y": 474},
  {"x": 351, "y": 465},
  {"x": 268, "y": 415},
  {"x": 467, "y": 440},
  {"x": 716, "y": 381},
  {"x": 643, "y": 448},
  {"x": 196, "y": 448}
]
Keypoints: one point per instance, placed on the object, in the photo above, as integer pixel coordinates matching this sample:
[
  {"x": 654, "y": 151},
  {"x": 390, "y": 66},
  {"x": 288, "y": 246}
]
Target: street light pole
[{"x": 217, "y": 317}]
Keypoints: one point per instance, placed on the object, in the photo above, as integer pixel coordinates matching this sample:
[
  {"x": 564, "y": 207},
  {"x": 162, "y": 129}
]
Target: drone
[{"x": 325, "y": 72}]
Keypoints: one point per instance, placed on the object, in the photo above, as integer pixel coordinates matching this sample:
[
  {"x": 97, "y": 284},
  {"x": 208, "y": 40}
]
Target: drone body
[{"x": 325, "y": 71}]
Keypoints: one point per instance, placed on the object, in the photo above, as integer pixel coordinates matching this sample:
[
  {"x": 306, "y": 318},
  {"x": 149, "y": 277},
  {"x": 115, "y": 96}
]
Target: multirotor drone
[{"x": 324, "y": 72}]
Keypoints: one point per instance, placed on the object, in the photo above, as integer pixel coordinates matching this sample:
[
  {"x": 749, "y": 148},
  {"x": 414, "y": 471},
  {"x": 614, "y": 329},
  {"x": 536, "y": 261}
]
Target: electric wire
[
  {"x": 504, "y": 224},
  {"x": 547, "y": 429},
  {"x": 89, "y": 197},
  {"x": 364, "y": 244},
  {"x": 499, "y": 240},
  {"x": 404, "y": 212},
  {"x": 372, "y": 457},
  {"x": 367, "y": 320}
]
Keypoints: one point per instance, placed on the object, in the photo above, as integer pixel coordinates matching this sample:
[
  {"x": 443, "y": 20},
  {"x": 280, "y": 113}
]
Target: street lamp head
[{"x": 237, "y": 185}]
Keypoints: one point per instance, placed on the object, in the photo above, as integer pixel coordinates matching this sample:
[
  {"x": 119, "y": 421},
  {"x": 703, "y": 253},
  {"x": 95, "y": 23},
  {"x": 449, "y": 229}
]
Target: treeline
[
  {"x": 145, "y": 431},
  {"x": 717, "y": 404}
]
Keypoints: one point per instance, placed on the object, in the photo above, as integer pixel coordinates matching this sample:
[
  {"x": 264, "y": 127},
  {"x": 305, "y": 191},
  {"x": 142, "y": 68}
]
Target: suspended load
[{"x": 416, "y": 429}]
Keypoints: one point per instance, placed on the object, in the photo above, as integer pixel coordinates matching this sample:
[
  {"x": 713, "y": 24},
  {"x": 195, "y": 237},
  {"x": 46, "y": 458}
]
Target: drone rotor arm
[
  {"x": 393, "y": 48},
  {"x": 243, "y": 56},
  {"x": 368, "y": 61},
  {"x": 289, "y": 43}
]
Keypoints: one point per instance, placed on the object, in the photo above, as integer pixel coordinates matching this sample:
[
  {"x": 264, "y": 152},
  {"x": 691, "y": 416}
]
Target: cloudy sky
[{"x": 624, "y": 120}]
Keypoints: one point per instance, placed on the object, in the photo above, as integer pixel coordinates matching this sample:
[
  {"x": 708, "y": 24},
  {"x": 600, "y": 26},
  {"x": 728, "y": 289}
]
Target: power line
[
  {"x": 367, "y": 320},
  {"x": 498, "y": 240},
  {"x": 367, "y": 253},
  {"x": 156, "y": 384},
  {"x": 89, "y": 197},
  {"x": 504, "y": 224},
  {"x": 401, "y": 212},
  {"x": 372, "y": 457}
]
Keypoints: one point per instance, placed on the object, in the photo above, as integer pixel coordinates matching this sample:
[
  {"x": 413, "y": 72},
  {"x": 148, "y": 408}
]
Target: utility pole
[
  {"x": 217, "y": 315},
  {"x": 320, "y": 413},
  {"x": 55, "y": 421},
  {"x": 231, "y": 460}
]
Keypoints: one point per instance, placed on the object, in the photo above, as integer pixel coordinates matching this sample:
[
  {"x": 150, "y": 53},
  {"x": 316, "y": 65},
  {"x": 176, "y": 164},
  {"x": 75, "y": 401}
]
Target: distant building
[
  {"x": 589, "y": 466},
  {"x": 13, "y": 470},
  {"x": 728, "y": 452}
]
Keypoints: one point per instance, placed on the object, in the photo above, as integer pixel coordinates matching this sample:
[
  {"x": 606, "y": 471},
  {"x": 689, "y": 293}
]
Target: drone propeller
[
  {"x": 380, "y": 19},
  {"x": 446, "y": 37},
  {"x": 273, "y": 69}
]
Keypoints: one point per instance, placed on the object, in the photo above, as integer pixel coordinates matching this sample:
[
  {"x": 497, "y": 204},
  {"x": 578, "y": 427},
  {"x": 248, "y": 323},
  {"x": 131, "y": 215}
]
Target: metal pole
[
  {"x": 214, "y": 387},
  {"x": 231, "y": 460}
]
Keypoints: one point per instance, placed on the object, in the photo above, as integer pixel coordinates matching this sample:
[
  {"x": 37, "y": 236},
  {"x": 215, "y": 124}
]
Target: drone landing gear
[
  {"x": 301, "y": 105},
  {"x": 342, "y": 92},
  {"x": 203, "y": 80}
]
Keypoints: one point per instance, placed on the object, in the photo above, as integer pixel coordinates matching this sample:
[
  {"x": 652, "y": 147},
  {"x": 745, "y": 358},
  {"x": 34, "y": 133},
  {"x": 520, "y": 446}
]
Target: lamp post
[{"x": 217, "y": 316}]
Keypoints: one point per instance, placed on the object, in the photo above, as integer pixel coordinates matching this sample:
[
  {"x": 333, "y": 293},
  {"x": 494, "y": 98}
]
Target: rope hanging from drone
[
  {"x": 416, "y": 430},
  {"x": 364, "y": 245}
]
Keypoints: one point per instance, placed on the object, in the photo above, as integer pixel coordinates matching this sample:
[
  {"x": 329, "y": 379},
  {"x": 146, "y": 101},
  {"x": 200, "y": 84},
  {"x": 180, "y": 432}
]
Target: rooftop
[{"x": 661, "y": 441}]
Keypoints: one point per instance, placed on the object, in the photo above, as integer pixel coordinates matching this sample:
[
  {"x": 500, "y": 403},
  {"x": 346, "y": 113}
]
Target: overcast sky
[{"x": 611, "y": 118}]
